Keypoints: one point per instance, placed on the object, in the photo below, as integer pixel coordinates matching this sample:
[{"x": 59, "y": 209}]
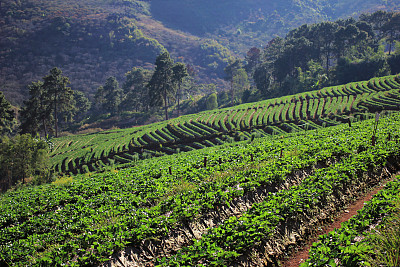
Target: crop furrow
[
  {"x": 287, "y": 216},
  {"x": 182, "y": 235}
]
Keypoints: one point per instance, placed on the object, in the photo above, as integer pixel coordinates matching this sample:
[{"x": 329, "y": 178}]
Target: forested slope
[
  {"x": 89, "y": 40},
  {"x": 243, "y": 24},
  {"x": 92, "y": 40}
]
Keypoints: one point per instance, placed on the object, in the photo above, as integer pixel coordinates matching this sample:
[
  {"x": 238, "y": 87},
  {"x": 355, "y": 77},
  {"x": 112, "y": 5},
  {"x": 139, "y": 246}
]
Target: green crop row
[
  {"x": 92, "y": 217},
  {"x": 348, "y": 245},
  {"x": 330, "y": 186}
]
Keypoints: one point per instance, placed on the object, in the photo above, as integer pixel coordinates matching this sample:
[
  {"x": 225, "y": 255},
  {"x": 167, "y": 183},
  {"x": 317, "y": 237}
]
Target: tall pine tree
[
  {"x": 60, "y": 96},
  {"x": 47, "y": 100},
  {"x": 109, "y": 96},
  {"x": 136, "y": 95},
  {"x": 179, "y": 73},
  {"x": 161, "y": 83},
  {"x": 6, "y": 115},
  {"x": 36, "y": 114}
]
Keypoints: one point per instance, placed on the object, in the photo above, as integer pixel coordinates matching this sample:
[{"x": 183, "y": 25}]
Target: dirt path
[{"x": 302, "y": 254}]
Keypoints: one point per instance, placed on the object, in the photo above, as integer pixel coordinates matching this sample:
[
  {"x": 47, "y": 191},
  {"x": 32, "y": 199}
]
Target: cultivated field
[{"x": 247, "y": 202}]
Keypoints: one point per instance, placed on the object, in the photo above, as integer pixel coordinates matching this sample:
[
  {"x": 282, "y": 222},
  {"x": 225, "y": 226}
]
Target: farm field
[
  {"x": 339, "y": 247},
  {"x": 306, "y": 111},
  {"x": 247, "y": 202}
]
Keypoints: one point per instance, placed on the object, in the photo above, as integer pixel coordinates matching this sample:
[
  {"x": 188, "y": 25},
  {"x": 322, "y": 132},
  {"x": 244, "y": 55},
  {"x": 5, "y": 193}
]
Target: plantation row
[
  {"x": 306, "y": 111},
  {"x": 348, "y": 245},
  {"x": 284, "y": 217},
  {"x": 86, "y": 219}
]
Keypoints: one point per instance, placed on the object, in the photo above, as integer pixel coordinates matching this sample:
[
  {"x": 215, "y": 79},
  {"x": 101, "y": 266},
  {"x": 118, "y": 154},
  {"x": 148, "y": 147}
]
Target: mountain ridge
[{"x": 92, "y": 40}]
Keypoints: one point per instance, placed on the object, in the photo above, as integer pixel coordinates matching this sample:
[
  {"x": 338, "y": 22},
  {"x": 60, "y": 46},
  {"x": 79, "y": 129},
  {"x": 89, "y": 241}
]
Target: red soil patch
[{"x": 302, "y": 254}]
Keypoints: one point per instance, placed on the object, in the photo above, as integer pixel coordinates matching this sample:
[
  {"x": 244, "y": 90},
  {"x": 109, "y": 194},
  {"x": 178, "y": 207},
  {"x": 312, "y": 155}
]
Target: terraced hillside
[
  {"x": 245, "y": 203},
  {"x": 311, "y": 110}
]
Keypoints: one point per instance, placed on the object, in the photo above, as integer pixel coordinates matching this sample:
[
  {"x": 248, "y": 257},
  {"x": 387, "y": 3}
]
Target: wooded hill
[{"x": 92, "y": 40}]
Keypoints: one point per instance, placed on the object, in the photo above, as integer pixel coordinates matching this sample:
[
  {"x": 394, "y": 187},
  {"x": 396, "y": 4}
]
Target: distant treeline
[{"x": 326, "y": 53}]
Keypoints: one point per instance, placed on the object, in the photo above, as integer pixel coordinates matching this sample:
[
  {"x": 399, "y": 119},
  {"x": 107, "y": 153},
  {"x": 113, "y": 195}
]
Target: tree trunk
[
  {"x": 232, "y": 95},
  {"x": 41, "y": 105},
  {"x": 179, "y": 90},
  {"x": 55, "y": 114},
  {"x": 327, "y": 62},
  {"x": 9, "y": 174},
  {"x": 24, "y": 170},
  {"x": 44, "y": 127},
  {"x": 391, "y": 42},
  {"x": 165, "y": 104}
]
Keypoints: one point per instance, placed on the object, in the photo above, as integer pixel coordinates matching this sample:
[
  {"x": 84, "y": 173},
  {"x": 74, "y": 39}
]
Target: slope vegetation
[
  {"x": 290, "y": 114},
  {"x": 89, "y": 40},
  {"x": 242, "y": 203},
  {"x": 243, "y": 24},
  {"x": 92, "y": 40}
]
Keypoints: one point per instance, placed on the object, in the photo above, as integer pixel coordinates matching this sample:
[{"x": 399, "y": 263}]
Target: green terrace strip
[
  {"x": 85, "y": 219},
  {"x": 325, "y": 107},
  {"x": 349, "y": 245}
]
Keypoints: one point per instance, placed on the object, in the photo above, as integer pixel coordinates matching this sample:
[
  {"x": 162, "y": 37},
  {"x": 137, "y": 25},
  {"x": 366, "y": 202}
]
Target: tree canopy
[
  {"x": 161, "y": 83},
  {"x": 60, "y": 96},
  {"x": 6, "y": 115},
  {"x": 179, "y": 71},
  {"x": 21, "y": 157},
  {"x": 109, "y": 96},
  {"x": 339, "y": 47},
  {"x": 48, "y": 99},
  {"x": 135, "y": 90}
]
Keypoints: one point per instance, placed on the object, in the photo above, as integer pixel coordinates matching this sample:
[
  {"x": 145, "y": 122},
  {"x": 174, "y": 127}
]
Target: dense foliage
[
  {"x": 219, "y": 203},
  {"x": 85, "y": 219},
  {"x": 6, "y": 115},
  {"x": 48, "y": 100},
  {"x": 328, "y": 53},
  {"x": 358, "y": 242},
  {"x": 23, "y": 157}
]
